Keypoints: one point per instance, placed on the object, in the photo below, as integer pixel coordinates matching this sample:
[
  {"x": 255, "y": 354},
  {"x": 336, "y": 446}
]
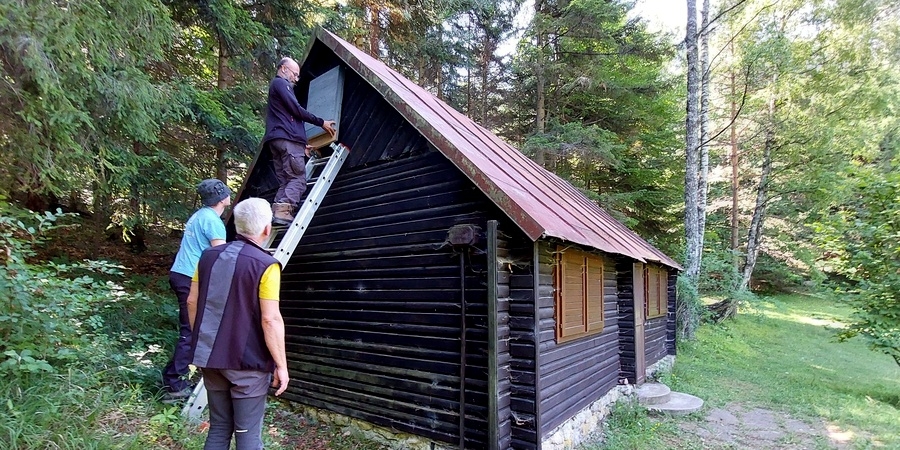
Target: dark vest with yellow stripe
[{"x": 228, "y": 330}]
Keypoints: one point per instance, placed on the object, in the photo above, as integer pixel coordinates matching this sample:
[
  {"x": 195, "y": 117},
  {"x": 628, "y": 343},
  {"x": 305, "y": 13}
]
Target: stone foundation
[
  {"x": 580, "y": 427},
  {"x": 662, "y": 366},
  {"x": 390, "y": 438}
]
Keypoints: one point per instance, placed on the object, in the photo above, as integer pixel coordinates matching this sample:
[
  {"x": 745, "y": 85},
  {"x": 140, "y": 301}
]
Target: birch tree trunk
[
  {"x": 754, "y": 234},
  {"x": 704, "y": 129},
  {"x": 735, "y": 161},
  {"x": 692, "y": 154}
]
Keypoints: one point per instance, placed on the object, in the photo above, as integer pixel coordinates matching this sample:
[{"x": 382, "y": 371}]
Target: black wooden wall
[
  {"x": 522, "y": 346},
  {"x": 574, "y": 374},
  {"x": 625, "y": 280},
  {"x": 371, "y": 297},
  {"x": 510, "y": 262},
  {"x": 672, "y": 306}
]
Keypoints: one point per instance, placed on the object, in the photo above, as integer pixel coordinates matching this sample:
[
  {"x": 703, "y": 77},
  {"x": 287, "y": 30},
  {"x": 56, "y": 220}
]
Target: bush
[
  {"x": 67, "y": 315},
  {"x": 77, "y": 342}
]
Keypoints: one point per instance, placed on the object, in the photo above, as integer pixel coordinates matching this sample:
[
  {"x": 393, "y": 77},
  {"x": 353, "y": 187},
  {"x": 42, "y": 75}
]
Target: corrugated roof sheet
[{"x": 538, "y": 201}]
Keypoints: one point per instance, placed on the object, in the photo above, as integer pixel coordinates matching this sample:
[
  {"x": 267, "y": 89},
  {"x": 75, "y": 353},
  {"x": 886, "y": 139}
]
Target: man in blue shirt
[
  {"x": 286, "y": 138},
  {"x": 203, "y": 230}
]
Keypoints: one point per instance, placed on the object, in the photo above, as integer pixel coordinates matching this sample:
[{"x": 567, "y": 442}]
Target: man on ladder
[{"x": 286, "y": 138}]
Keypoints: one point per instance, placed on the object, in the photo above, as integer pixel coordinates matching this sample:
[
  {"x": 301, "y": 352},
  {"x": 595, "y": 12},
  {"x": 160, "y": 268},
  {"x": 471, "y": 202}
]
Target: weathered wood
[
  {"x": 539, "y": 260},
  {"x": 492, "y": 328}
]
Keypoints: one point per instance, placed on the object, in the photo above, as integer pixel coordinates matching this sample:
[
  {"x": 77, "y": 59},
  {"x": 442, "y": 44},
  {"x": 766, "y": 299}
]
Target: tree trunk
[
  {"x": 735, "y": 181},
  {"x": 692, "y": 154},
  {"x": 374, "y": 31},
  {"x": 486, "y": 53},
  {"x": 702, "y": 182},
  {"x": 540, "y": 100},
  {"x": 754, "y": 235},
  {"x": 223, "y": 81}
]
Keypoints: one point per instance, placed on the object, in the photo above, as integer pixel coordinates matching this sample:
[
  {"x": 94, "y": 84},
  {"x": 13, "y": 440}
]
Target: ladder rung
[{"x": 320, "y": 161}]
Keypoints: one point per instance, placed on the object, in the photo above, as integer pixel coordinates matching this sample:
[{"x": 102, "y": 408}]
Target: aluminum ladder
[{"x": 287, "y": 238}]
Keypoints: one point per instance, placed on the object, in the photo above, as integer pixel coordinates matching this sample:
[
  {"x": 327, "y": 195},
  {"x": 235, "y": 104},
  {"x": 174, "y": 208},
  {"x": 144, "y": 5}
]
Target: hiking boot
[
  {"x": 174, "y": 397},
  {"x": 281, "y": 213}
]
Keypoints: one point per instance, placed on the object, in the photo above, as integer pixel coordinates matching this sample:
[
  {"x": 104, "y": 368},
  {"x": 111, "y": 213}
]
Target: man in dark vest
[
  {"x": 286, "y": 138},
  {"x": 237, "y": 337}
]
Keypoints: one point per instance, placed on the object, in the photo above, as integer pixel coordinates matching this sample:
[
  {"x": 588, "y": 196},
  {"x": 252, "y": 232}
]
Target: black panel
[
  {"x": 625, "y": 279},
  {"x": 371, "y": 300}
]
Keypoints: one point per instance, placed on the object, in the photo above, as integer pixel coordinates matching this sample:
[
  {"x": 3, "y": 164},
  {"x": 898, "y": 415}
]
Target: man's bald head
[{"x": 289, "y": 70}]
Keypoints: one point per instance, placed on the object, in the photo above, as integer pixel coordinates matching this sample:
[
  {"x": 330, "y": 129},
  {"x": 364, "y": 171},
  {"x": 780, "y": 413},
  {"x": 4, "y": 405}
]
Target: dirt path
[{"x": 736, "y": 426}]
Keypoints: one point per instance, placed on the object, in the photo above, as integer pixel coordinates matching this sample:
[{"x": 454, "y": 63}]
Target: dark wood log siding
[
  {"x": 506, "y": 252},
  {"x": 625, "y": 281},
  {"x": 670, "y": 325},
  {"x": 655, "y": 335},
  {"x": 522, "y": 348},
  {"x": 575, "y": 374},
  {"x": 371, "y": 301}
]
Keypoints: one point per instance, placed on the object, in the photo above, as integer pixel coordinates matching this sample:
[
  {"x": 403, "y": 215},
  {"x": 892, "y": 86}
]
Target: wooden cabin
[{"x": 448, "y": 287}]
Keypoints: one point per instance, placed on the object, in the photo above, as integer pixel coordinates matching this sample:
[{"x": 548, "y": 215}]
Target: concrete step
[
  {"x": 653, "y": 394},
  {"x": 679, "y": 404}
]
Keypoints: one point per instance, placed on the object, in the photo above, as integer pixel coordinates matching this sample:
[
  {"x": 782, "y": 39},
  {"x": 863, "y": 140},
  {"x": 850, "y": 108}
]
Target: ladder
[{"x": 287, "y": 238}]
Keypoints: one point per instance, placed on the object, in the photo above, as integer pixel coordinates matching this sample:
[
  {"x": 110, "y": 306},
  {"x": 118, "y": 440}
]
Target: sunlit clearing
[
  {"x": 804, "y": 319},
  {"x": 836, "y": 435}
]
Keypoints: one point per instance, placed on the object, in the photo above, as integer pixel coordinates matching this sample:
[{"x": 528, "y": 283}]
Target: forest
[{"x": 760, "y": 148}]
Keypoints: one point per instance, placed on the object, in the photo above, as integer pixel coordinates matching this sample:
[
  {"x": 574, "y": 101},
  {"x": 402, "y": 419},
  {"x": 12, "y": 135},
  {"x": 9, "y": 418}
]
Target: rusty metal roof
[{"x": 541, "y": 203}]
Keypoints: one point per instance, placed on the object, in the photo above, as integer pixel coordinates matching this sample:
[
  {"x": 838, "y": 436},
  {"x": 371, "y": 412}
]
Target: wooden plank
[
  {"x": 492, "y": 328},
  {"x": 432, "y": 366}
]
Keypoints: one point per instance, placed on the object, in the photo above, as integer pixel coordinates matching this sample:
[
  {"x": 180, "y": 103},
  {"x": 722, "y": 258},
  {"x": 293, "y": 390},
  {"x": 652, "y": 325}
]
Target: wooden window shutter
[
  {"x": 594, "y": 293},
  {"x": 648, "y": 293},
  {"x": 572, "y": 317},
  {"x": 663, "y": 292},
  {"x": 579, "y": 294},
  {"x": 656, "y": 292}
]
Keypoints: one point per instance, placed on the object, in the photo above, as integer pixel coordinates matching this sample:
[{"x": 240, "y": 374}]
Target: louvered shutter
[{"x": 594, "y": 293}]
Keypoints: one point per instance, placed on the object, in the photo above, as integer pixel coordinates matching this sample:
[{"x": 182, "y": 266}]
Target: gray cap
[{"x": 212, "y": 191}]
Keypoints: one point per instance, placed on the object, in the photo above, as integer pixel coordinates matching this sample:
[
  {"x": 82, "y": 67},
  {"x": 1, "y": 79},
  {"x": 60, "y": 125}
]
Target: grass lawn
[{"x": 780, "y": 354}]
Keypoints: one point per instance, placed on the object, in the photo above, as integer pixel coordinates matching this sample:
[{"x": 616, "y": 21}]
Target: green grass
[{"x": 780, "y": 354}]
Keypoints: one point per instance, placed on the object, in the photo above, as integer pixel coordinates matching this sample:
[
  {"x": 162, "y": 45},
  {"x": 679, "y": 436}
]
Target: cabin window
[
  {"x": 656, "y": 288},
  {"x": 579, "y": 294}
]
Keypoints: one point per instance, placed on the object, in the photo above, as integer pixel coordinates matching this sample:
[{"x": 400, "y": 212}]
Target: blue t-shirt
[{"x": 204, "y": 226}]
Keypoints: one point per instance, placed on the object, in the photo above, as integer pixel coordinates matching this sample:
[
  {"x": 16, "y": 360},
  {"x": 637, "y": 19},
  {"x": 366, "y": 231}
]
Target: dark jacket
[
  {"x": 228, "y": 330},
  {"x": 284, "y": 116}
]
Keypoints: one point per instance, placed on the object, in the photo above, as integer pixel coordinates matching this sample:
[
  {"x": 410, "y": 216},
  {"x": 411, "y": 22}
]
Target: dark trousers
[
  {"x": 289, "y": 158},
  {"x": 175, "y": 372},
  {"x": 237, "y": 404}
]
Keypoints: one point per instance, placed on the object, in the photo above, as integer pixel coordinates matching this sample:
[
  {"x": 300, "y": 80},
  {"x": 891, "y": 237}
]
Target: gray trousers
[
  {"x": 237, "y": 404},
  {"x": 289, "y": 158}
]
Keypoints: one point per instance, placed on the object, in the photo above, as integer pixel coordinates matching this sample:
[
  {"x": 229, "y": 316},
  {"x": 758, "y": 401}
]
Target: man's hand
[
  {"x": 329, "y": 126},
  {"x": 280, "y": 380}
]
